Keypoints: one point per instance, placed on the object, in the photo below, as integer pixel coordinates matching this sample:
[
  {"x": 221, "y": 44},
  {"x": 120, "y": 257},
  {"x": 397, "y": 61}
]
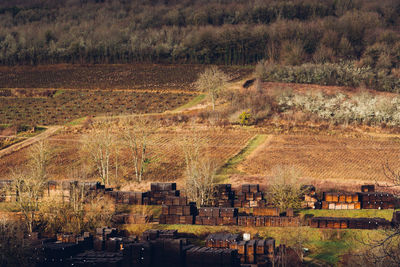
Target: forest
[{"x": 200, "y": 31}]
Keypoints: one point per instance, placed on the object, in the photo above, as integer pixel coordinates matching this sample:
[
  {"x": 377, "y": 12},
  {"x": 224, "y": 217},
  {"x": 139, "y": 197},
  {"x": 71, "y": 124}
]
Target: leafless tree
[
  {"x": 98, "y": 144},
  {"x": 212, "y": 81},
  {"x": 285, "y": 188},
  {"x": 29, "y": 184},
  {"x": 83, "y": 212},
  {"x": 200, "y": 171},
  {"x": 137, "y": 135},
  {"x": 391, "y": 176}
]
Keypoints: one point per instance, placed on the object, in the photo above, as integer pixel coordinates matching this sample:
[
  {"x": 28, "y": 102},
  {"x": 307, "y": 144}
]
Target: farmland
[
  {"x": 48, "y": 95},
  {"x": 325, "y": 157},
  {"x": 127, "y": 76},
  {"x": 68, "y": 105},
  {"x": 218, "y": 144}
]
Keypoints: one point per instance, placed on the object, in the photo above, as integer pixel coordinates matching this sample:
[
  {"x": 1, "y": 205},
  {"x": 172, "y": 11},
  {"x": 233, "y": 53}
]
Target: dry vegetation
[
  {"x": 168, "y": 163},
  {"x": 326, "y": 158},
  {"x": 73, "y": 104},
  {"x": 48, "y": 95}
]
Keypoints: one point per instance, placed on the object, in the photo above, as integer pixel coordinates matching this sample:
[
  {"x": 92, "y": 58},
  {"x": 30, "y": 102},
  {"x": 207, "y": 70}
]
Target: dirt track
[{"x": 46, "y": 134}]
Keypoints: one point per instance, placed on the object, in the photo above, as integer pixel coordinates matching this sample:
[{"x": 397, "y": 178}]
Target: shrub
[
  {"x": 244, "y": 118},
  {"x": 342, "y": 74}
]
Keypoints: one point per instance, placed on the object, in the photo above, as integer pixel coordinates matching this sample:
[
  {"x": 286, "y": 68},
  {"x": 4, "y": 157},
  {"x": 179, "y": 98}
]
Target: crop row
[{"x": 72, "y": 104}]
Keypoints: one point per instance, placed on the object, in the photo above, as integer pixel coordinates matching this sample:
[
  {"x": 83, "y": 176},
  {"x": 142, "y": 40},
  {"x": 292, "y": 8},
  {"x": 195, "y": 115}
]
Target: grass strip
[
  {"x": 191, "y": 103},
  {"x": 230, "y": 166},
  {"x": 364, "y": 213}
]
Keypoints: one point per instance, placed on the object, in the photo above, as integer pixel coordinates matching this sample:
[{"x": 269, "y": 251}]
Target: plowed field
[{"x": 326, "y": 157}]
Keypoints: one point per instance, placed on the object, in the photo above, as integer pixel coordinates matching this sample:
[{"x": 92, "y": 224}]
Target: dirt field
[
  {"x": 127, "y": 76},
  {"x": 68, "y": 163},
  {"x": 68, "y": 105},
  {"x": 326, "y": 158}
]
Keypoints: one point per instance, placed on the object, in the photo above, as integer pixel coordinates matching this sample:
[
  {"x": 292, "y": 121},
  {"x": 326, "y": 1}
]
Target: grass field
[{"x": 325, "y": 157}]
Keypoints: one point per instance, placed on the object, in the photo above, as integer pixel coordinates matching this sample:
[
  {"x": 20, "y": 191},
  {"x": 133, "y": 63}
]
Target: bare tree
[
  {"x": 391, "y": 176},
  {"x": 98, "y": 144},
  {"x": 29, "y": 184},
  {"x": 84, "y": 212},
  {"x": 212, "y": 81},
  {"x": 200, "y": 171},
  {"x": 285, "y": 188},
  {"x": 136, "y": 135}
]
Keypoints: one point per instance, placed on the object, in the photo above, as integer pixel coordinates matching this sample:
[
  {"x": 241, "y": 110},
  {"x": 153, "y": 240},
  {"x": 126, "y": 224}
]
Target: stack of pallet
[
  {"x": 310, "y": 196},
  {"x": 368, "y": 188},
  {"x": 164, "y": 248},
  {"x": 221, "y": 240},
  {"x": 377, "y": 200},
  {"x": 340, "y": 201},
  {"x": 96, "y": 258},
  {"x": 352, "y": 223},
  {"x": 153, "y": 234},
  {"x": 211, "y": 257},
  {"x": 268, "y": 221},
  {"x": 251, "y": 252},
  {"x": 224, "y": 195},
  {"x": 216, "y": 216},
  {"x": 160, "y": 191},
  {"x": 396, "y": 218},
  {"x": 255, "y": 251},
  {"x": 128, "y": 197},
  {"x": 178, "y": 212},
  {"x": 249, "y": 196}
]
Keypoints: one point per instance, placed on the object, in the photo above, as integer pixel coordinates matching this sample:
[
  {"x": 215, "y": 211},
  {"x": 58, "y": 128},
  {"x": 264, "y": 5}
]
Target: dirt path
[{"x": 18, "y": 146}]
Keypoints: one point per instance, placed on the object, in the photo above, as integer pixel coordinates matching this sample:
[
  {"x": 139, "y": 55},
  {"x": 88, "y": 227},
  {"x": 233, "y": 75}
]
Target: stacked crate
[
  {"x": 224, "y": 196},
  {"x": 310, "y": 196},
  {"x": 160, "y": 191},
  {"x": 351, "y": 223},
  {"x": 255, "y": 251},
  {"x": 340, "y": 201},
  {"x": 216, "y": 216},
  {"x": 178, "y": 211},
  {"x": 221, "y": 240},
  {"x": 249, "y": 196},
  {"x": 211, "y": 257},
  {"x": 377, "y": 200},
  {"x": 96, "y": 258},
  {"x": 396, "y": 219},
  {"x": 128, "y": 197},
  {"x": 268, "y": 221},
  {"x": 368, "y": 188}
]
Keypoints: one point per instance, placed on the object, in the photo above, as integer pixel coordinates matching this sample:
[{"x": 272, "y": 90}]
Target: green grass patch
[
  {"x": 230, "y": 166},
  {"x": 58, "y": 93},
  {"x": 191, "y": 103},
  {"x": 76, "y": 122},
  {"x": 367, "y": 213}
]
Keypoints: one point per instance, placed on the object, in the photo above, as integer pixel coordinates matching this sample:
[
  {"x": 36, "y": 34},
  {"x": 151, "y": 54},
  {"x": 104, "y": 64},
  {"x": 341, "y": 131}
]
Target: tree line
[{"x": 198, "y": 31}]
